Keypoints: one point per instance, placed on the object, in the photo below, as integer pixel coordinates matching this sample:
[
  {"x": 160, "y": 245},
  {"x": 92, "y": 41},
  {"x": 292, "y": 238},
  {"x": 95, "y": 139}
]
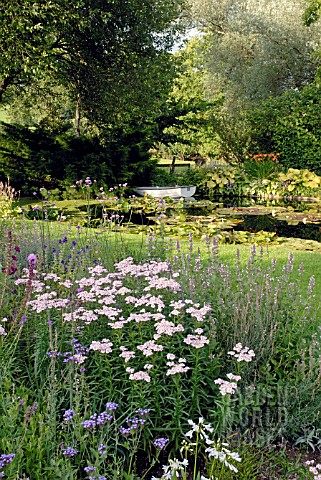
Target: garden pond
[{"x": 232, "y": 219}]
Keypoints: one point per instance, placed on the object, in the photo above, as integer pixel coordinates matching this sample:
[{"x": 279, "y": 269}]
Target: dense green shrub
[
  {"x": 291, "y": 126},
  {"x": 37, "y": 157}
]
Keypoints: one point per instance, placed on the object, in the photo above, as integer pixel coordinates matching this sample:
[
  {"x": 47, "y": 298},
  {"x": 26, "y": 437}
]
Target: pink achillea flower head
[
  {"x": 126, "y": 354},
  {"x": 196, "y": 341},
  {"x": 2, "y": 331},
  {"x": 105, "y": 346},
  {"x": 140, "y": 376},
  {"x": 170, "y": 356},
  {"x": 242, "y": 354},
  {"x": 177, "y": 367},
  {"x": 226, "y": 387}
]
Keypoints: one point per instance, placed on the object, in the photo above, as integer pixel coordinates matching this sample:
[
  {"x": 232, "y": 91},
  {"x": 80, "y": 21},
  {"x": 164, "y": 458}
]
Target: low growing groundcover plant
[{"x": 178, "y": 367}]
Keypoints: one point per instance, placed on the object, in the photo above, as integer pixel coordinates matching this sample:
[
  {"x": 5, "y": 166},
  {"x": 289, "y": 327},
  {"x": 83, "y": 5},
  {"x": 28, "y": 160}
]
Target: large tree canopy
[{"x": 106, "y": 52}]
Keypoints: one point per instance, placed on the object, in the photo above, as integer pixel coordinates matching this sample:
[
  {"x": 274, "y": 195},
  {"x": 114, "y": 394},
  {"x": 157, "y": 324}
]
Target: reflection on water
[
  {"x": 285, "y": 218},
  {"x": 256, "y": 223}
]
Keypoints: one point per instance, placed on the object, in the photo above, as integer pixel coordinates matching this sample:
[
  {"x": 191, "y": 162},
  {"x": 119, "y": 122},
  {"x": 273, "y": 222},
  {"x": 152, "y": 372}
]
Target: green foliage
[
  {"x": 161, "y": 177},
  {"x": 37, "y": 157},
  {"x": 312, "y": 12},
  {"x": 259, "y": 170},
  {"x": 225, "y": 180},
  {"x": 290, "y": 125},
  {"x": 255, "y": 49},
  {"x": 98, "y": 50},
  {"x": 295, "y": 180},
  {"x": 185, "y": 127}
]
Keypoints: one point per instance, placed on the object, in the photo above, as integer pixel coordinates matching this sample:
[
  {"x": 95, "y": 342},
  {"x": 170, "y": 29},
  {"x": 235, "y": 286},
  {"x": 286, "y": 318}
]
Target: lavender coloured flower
[
  {"x": 54, "y": 354},
  {"x": 70, "y": 452},
  {"x": 30, "y": 411},
  {"x": 6, "y": 459},
  {"x": 68, "y": 415},
  {"x": 89, "y": 469},
  {"x": 111, "y": 406},
  {"x": 102, "y": 449},
  {"x": 89, "y": 424},
  {"x": 142, "y": 412},
  {"x": 160, "y": 443},
  {"x": 124, "y": 431},
  {"x": 103, "y": 418}
]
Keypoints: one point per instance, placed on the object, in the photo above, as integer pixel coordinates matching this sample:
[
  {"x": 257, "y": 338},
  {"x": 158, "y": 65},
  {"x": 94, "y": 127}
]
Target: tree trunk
[
  {"x": 172, "y": 167},
  {"x": 77, "y": 117}
]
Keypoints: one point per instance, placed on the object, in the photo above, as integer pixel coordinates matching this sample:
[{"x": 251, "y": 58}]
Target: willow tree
[
  {"x": 257, "y": 48},
  {"x": 253, "y": 50}
]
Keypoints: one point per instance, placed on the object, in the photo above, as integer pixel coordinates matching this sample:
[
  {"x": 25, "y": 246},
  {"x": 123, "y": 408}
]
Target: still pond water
[{"x": 286, "y": 219}]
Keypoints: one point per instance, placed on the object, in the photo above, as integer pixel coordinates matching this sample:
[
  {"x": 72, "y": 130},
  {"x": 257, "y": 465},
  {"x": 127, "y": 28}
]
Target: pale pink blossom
[
  {"x": 170, "y": 356},
  {"x": 236, "y": 378},
  {"x": 98, "y": 270},
  {"x": 51, "y": 276},
  {"x": 242, "y": 354},
  {"x": 199, "y": 313},
  {"x": 140, "y": 375},
  {"x": 104, "y": 346},
  {"x": 66, "y": 283},
  {"x": 196, "y": 341},
  {"x": 198, "y": 331},
  {"x": 177, "y": 368},
  {"x": 2, "y": 331},
  {"x": 109, "y": 312},
  {"x": 149, "y": 347},
  {"x": 78, "y": 358},
  {"x": 168, "y": 328},
  {"x": 226, "y": 387},
  {"x": 127, "y": 355},
  {"x": 163, "y": 283}
]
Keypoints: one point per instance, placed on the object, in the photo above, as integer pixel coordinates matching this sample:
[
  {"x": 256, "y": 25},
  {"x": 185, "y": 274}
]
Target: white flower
[
  {"x": 223, "y": 454},
  {"x": 2, "y": 331},
  {"x": 200, "y": 428}
]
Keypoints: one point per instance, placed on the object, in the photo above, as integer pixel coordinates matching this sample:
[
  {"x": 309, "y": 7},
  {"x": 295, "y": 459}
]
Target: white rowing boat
[{"x": 172, "y": 192}]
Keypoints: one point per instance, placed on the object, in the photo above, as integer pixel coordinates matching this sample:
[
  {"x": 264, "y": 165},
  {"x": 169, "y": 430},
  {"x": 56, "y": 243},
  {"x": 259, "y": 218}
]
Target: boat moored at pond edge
[{"x": 172, "y": 192}]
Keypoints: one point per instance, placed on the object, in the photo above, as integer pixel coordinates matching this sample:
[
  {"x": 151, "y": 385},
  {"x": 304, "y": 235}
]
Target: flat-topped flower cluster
[{"x": 121, "y": 302}]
